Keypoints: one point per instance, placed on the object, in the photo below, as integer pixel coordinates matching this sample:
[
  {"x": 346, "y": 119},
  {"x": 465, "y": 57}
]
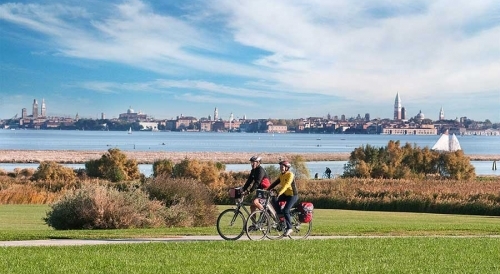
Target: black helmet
[
  {"x": 285, "y": 163},
  {"x": 255, "y": 159}
]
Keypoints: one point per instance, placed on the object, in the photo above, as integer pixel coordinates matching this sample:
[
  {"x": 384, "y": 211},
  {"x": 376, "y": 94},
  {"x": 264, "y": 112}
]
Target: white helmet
[{"x": 255, "y": 159}]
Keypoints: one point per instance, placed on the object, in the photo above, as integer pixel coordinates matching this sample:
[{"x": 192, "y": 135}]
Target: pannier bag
[
  {"x": 306, "y": 212},
  {"x": 235, "y": 192}
]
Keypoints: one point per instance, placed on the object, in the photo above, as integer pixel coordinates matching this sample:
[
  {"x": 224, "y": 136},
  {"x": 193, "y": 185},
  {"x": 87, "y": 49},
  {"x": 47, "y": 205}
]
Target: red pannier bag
[{"x": 306, "y": 212}]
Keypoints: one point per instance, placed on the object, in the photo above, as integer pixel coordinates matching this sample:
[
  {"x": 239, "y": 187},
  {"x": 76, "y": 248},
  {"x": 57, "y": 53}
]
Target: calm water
[
  {"x": 337, "y": 167},
  {"x": 225, "y": 142},
  {"x": 253, "y": 143}
]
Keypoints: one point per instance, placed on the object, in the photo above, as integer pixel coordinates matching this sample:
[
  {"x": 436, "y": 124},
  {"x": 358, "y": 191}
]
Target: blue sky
[{"x": 259, "y": 58}]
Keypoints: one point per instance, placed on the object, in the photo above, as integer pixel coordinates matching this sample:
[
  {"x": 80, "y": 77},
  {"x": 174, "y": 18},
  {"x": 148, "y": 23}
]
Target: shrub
[
  {"x": 273, "y": 172},
  {"x": 188, "y": 201},
  {"x": 113, "y": 166},
  {"x": 299, "y": 167},
  {"x": 164, "y": 166},
  {"x": 205, "y": 172},
  {"x": 407, "y": 162},
  {"x": 99, "y": 207},
  {"x": 54, "y": 172}
]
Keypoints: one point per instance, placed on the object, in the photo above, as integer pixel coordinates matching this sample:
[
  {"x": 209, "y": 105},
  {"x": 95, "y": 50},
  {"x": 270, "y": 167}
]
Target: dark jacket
[{"x": 255, "y": 178}]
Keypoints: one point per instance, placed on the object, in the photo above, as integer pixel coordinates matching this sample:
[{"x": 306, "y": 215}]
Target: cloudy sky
[{"x": 259, "y": 58}]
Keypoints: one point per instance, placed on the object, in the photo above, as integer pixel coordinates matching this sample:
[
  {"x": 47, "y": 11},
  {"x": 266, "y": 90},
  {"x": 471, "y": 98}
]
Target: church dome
[
  {"x": 130, "y": 110},
  {"x": 420, "y": 116}
]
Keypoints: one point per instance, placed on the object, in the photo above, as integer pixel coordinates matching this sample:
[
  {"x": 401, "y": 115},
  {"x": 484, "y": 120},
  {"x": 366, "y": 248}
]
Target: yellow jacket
[{"x": 286, "y": 184}]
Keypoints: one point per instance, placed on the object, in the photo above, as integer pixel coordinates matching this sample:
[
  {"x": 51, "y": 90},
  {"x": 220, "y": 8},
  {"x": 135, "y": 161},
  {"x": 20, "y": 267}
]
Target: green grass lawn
[
  {"x": 472, "y": 251},
  {"x": 24, "y": 222}
]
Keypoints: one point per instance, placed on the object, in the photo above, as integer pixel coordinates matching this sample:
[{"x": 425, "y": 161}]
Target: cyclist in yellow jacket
[{"x": 287, "y": 192}]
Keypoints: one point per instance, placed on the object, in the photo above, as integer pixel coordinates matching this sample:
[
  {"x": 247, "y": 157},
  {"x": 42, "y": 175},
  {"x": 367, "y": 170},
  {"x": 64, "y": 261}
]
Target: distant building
[
  {"x": 132, "y": 116},
  {"x": 43, "y": 112},
  {"x": 35, "y": 109},
  {"x": 441, "y": 114},
  {"x": 397, "y": 108}
]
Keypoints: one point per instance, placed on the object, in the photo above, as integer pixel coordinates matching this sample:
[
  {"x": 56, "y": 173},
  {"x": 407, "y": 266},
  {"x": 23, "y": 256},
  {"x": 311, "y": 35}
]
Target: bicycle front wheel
[
  {"x": 231, "y": 224},
  {"x": 276, "y": 228},
  {"x": 257, "y": 225},
  {"x": 300, "y": 230}
]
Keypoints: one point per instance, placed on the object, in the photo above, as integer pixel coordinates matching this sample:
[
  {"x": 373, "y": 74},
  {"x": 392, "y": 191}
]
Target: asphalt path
[
  {"x": 76, "y": 242},
  {"x": 70, "y": 242}
]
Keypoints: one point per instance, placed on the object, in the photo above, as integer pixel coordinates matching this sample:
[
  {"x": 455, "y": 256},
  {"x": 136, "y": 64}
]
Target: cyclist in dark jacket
[{"x": 257, "y": 179}]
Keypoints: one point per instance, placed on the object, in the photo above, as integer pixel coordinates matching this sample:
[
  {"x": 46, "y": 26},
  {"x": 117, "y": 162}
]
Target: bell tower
[{"x": 397, "y": 108}]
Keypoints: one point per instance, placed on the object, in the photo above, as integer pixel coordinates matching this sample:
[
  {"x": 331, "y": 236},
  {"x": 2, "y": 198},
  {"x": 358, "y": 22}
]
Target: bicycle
[
  {"x": 326, "y": 175},
  {"x": 231, "y": 222},
  {"x": 267, "y": 224}
]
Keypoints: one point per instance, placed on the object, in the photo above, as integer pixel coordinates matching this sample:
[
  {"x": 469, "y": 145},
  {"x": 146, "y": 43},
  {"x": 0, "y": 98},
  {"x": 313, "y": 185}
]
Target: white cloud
[{"x": 350, "y": 51}]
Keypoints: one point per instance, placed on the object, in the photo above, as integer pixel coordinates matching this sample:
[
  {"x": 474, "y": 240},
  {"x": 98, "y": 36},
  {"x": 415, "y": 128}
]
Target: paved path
[{"x": 72, "y": 242}]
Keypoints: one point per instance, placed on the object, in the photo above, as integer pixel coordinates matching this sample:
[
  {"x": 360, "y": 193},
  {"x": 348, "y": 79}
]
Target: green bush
[
  {"x": 113, "y": 166},
  {"x": 99, "y": 207},
  {"x": 188, "y": 202},
  {"x": 54, "y": 175},
  {"x": 407, "y": 162},
  {"x": 165, "y": 166}
]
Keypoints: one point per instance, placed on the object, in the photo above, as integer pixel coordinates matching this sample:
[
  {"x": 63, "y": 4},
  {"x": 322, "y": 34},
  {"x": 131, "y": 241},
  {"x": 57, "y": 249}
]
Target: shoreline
[{"x": 149, "y": 157}]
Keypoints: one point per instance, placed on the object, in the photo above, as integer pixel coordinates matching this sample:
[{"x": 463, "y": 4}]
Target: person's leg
[
  {"x": 276, "y": 205},
  {"x": 290, "y": 201},
  {"x": 256, "y": 204}
]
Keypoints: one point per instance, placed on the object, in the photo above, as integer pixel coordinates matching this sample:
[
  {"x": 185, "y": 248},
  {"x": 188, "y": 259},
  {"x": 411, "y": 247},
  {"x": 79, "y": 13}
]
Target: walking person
[
  {"x": 286, "y": 192},
  {"x": 257, "y": 179}
]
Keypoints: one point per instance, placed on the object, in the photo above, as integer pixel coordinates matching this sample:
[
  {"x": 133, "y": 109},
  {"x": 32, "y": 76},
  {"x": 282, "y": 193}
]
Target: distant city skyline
[{"x": 257, "y": 59}]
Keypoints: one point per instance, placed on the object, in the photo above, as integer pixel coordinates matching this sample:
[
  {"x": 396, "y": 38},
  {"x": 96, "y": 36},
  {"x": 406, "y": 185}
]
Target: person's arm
[
  {"x": 274, "y": 184},
  {"x": 287, "y": 182},
  {"x": 249, "y": 181}
]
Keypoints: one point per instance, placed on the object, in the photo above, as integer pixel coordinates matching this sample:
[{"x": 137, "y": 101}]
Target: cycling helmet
[
  {"x": 255, "y": 159},
  {"x": 285, "y": 163}
]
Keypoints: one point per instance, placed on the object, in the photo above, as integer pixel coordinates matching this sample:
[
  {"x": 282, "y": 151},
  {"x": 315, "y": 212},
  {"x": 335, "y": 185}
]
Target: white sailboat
[
  {"x": 447, "y": 143},
  {"x": 130, "y": 130}
]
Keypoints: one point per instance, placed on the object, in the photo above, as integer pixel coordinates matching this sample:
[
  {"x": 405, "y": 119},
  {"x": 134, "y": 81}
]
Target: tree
[
  {"x": 113, "y": 166},
  {"x": 396, "y": 162}
]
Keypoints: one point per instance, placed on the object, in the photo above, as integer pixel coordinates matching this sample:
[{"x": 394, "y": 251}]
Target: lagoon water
[
  {"x": 225, "y": 142},
  {"x": 253, "y": 143}
]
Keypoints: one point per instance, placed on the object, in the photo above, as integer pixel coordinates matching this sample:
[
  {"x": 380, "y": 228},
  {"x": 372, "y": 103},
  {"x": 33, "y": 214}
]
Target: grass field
[{"x": 468, "y": 247}]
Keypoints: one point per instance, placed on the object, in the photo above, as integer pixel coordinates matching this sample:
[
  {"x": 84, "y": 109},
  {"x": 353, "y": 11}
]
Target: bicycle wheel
[
  {"x": 231, "y": 224},
  {"x": 257, "y": 225},
  {"x": 300, "y": 230},
  {"x": 276, "y": 228}
]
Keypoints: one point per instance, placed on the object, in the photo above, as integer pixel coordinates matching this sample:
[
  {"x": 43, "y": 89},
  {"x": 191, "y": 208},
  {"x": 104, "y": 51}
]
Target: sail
[
  {"x": 454, "y": 144},
  {"x": 443, "y": 143},
  {"x": 447, "y": 143},
  {"x": 130, "y": 131}
]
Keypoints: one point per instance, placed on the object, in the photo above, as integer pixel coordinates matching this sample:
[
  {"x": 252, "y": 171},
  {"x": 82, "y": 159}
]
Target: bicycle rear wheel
[
  {"x": 231, "y": 224},
  {"x": 257, "y": 225},
  {"x": 300, "y": 230}
]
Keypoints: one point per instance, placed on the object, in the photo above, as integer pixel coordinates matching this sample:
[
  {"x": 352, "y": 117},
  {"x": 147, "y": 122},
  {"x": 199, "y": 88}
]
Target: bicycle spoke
[
  {"x": 276, "y": 228},
  {"x": 231, "y": 224},
  {"x": 300, "y": 230},
  {"x": 257, "y": 225}
]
